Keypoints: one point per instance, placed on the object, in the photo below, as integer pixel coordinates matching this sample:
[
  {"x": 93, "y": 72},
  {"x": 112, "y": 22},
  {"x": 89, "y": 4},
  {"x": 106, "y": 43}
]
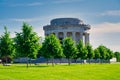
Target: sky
[{"x": 102, "y": 15}]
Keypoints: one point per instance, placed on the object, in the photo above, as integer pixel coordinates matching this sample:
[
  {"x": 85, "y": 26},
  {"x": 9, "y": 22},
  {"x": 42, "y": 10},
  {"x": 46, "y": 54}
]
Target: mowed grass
[{"x": 61, "y": 72}]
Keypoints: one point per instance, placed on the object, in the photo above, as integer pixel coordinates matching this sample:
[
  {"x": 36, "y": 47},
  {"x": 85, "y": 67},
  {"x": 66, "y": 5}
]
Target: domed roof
[{"x": 65, "y": 21}]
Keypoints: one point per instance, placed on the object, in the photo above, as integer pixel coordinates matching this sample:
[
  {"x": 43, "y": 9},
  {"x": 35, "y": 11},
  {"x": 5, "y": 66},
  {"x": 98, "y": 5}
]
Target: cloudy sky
[{"x": 102, "y": 15}]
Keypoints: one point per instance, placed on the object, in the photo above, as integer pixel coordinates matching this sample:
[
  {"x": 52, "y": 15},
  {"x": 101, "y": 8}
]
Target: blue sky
[{"x": 102, "y": 15}]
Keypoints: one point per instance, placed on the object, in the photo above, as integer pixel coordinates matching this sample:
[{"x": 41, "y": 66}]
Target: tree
[
  {"x": 103, "y": 52},
  {"x": 90, "y": 51},
  {"x": 82, "y": 51},
  {"x": 40, "y": 47},
  {"x": 109, "y": 54},
  {"x": 27, "y": 42},
  {"x": 69, "y": 49},
  {"x": 96, "y": 54},
  {"x": 60, "y": 56},
  {"x": 117, "y": 55},
  {"x": 51, "y": 47},
  {"x": 6, "y": 45}
]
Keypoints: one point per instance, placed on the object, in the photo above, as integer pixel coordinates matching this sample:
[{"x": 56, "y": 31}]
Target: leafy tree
[
  {"x": 82, "y": 51},
  {"x": 109, "y": 54},
  {"x": 60, "y": 56},
  {"x": 40, "y": 48},
  {"x": 51, "y": 47},
  {"x": 27, "y": 42},
  {"x": 44, "y": 53},
  {"x": 96, "y": 54},
  {"x": 103, "y": 52},
  {"x": 90, "y": 51},
  {"x": 117, "y": 55},
  {"x": 69, "y": 49},
  {"x": 6, "y": 45}
]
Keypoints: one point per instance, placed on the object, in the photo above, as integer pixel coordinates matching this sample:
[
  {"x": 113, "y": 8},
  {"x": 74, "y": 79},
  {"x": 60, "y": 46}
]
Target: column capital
[{"x": 87, "y": 33}]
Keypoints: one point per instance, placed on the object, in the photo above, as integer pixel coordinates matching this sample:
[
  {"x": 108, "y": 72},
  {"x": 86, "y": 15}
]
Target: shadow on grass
[
  {"x": 31, "y": 66},
  {"x": 5, "y": 67},
  {"x": 41, "y": 65}
]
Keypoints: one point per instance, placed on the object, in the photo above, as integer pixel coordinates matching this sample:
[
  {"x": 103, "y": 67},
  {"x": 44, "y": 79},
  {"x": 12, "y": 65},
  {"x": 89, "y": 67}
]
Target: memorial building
[{"x": 68, "y": 27}]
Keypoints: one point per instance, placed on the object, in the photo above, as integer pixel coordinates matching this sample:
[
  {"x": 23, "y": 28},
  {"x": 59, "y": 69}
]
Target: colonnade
[{"x": 77, "y": 36}]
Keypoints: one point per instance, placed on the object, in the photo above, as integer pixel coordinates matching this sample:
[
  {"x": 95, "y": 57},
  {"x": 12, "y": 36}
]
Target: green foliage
[
  {"x": 6, "y": 45},
  {"x": 90, "y": 51},
  {"x": 96, "y": 54},
  {"x": 69, "y": 48},
  {"x": 51, "y": 47},
  {"x": 27, "y": 42},
  {"x": 105, "y": 53},
  {"x": 117, "y": 55},
  {"x": 82, "y": 51},
  {"x": 109, "y": 54},
  {"x": 102, "y": 51}
]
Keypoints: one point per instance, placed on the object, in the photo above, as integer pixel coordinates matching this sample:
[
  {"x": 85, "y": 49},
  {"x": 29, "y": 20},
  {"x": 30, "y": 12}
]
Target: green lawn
[{"x": 61, "y": 72}]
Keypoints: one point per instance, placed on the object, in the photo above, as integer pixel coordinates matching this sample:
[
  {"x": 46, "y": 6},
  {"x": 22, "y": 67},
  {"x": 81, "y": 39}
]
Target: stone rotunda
[{"x": 68, "y": 27}]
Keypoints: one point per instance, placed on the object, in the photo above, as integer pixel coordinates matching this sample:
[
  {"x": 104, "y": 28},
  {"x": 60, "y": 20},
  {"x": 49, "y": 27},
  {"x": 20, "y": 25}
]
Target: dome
[{"x": 65, "y": 21}]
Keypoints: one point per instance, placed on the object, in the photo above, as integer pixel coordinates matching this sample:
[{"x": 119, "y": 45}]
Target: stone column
[
  {"x": 86, "y": 38},
  {"x": 65, "y": 34},
  {"x": 81, "y": 36},
  {"x": 73, "y": 36},
  {"x": 56, "y": 33}
]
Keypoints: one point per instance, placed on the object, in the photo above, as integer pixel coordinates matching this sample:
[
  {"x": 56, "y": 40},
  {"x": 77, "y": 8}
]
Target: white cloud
[
  {"x": 48, "y": 18},
  {"x": 114, "y": 47},
  {"x": 39, "y": 31},
  {"x": 24, "y": 19},
  {"x": 105, "y": 28},
  {"x": 34, "y": 4},
  {"x": 101, "y": 34},
  {"x": 111, "y": 13},
  {"x": 66, "y": 1},
  {"x": 27, "y": 4}
]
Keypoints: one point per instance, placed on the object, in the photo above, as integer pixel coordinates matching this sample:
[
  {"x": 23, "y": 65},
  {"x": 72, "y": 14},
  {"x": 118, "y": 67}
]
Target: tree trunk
[
  {"x": 53, "y": 62},
  {"x": 75, "y": 61},
  {"x": 69, "y": 61},
  {"x": 30, "y": 61},
  {"x": 6, "y": 60},
  {"x": 95, "y": 61},
  {"x": 60, "y": 60},
  {"x": 27, "y": 62},
  {"x": 47, "y": 61},
  {"x": 81, "y": 61},
  {"x": 109, "y": 61},
  {"x": 101, "y": 61},
  {"x": 89, "y": 61}
]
